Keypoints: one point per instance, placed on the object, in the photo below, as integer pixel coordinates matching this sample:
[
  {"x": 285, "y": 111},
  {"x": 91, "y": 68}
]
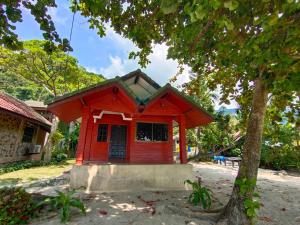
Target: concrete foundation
[{"x": 127, "y": 177}]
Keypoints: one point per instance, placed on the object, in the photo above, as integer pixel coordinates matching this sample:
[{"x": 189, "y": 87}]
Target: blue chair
[{"x": 220, "y": 158}]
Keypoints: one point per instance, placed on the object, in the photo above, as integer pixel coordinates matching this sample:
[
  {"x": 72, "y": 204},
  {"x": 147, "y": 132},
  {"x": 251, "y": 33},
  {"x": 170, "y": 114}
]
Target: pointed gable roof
[
  {"x": 141, "y": 89},
  {"x": 194, "y": 113},
  {"x": 140, "y": 84}
]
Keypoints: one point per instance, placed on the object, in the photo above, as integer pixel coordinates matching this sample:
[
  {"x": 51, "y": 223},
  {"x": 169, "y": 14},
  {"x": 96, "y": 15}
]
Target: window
[
  {"x": 152, "y": 132},
  {"x": 102, "y": 133},
  {"x": 28, "y": 134}
]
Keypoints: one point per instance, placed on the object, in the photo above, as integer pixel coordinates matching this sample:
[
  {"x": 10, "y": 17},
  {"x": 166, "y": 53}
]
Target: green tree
[
  {"x": 55, "y": 71},
  {"x": 219, "y": 134},
  {"x": 250, "y": 49},
  {"x": 21, "y": 88},
  {"x": 281, "y": 141},
  {"x": 11, "y": 13}
]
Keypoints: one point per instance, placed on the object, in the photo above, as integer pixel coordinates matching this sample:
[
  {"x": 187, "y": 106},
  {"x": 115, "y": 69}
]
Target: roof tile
[{"x": 16, "y": 106}]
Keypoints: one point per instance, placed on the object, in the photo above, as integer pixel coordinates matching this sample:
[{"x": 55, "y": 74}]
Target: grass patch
[{"x": 35, "y": 173}]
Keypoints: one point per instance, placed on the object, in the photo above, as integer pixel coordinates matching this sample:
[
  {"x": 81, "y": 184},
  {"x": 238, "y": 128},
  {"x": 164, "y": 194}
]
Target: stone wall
[{"x": 11, "y": 133}]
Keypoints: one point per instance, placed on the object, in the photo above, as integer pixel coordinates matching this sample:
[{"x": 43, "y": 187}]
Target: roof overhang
[
  {"x": 69, "y": 107},
  {"x": 195, "y": 115}
]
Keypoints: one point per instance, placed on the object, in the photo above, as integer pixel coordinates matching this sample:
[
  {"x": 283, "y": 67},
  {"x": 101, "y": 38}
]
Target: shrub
[
  {"x": 16, "y": 206},
  {"x": 200, "y": 195},
  {"x": 280, "y": 157},
  {"x": 61, "y": 157}
]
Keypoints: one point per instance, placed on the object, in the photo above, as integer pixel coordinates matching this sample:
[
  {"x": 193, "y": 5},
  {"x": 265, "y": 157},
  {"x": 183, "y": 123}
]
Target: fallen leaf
[
  {"x": 266, "y": 218},
  {"x": 103, "y": 212}
]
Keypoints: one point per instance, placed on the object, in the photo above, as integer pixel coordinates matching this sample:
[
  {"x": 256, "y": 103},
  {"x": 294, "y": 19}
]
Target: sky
[{"x": 108, "y": 55}]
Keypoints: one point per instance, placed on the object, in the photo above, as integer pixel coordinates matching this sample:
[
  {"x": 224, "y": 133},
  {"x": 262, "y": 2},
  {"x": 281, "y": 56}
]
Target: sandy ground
[
  {"x": 280, "y": 201},
  {"x": 280, "y": 193}
]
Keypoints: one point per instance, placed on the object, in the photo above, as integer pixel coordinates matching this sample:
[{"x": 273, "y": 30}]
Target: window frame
[
  {"x": 33, "y": 133},
  {"x": 98, "y": 128},
  {"x": 152, "y": 141}
]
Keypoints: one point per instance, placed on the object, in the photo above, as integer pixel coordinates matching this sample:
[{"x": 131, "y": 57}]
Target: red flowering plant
[{"x": 16, "y": 206}]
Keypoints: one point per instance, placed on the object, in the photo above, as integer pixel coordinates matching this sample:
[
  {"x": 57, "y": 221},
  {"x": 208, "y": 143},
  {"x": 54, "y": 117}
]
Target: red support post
[
  {"x": 82, "y": 135},
  {"x": 182, "y": 141}
]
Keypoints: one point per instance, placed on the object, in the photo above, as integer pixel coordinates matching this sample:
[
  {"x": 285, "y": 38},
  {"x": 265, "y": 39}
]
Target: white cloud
[
  {"x": 123, "y": 43},
  {"x": 160, "y": 69}
]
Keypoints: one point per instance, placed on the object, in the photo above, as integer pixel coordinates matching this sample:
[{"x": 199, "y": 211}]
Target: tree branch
[{"x": 200, "y": 35}]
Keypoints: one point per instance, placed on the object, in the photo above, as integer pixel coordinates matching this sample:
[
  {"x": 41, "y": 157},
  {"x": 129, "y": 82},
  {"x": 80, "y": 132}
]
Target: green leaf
[
  {"x": 200, "y": 12},
  {"x": 251, "y": 212},
  {"x": 248, "y": 203},
  {"x": 231, "y": 5},
  {"x": 193, "y": 17},
  {"x": 168, "y": 6},
  {"x": 215, "y": 4},
  {"x": 78, "y": 204},
  {"x": 228, "y": 24}
]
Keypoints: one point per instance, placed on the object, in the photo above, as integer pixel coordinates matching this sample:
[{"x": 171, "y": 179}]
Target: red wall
[
  {"x": 151, "y": 152},
  {"x": 136, "y": 151}
]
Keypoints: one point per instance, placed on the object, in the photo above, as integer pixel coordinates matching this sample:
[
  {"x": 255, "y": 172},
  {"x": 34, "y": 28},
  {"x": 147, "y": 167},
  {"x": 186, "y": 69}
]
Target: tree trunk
[
  {"x": 71, "y": 129},
  {"x": 48, "y": 146},
  {"x": 235, "y": 212}
]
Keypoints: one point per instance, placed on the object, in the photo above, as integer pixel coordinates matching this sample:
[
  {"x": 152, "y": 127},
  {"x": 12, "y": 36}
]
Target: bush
[
  {"x": 61, "y": 157},
  {"x": 285, "y": 157},
  {"x": 16, "y": 206}
]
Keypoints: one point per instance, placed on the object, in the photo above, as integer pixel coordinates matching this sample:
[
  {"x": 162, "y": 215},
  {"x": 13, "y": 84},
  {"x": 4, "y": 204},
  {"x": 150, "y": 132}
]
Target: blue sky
[{"x": 107, "y": 56}]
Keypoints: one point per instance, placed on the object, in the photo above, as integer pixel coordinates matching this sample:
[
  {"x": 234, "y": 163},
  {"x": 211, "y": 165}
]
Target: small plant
[
  {"x": 200, "y": 195},
  {"x": 16, "y": 206},
  {"x": 251, "y": 204},
  {"x": 63, "y": 202}
]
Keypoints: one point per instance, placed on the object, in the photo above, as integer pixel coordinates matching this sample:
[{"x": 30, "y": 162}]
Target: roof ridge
[{"x": 145, "y": 76}]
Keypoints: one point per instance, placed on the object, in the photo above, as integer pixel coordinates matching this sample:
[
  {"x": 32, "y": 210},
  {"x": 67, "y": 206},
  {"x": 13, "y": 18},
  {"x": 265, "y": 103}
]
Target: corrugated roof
[
  {"x": 35, "y": 104},
  {"x": 16, "y": 106}
]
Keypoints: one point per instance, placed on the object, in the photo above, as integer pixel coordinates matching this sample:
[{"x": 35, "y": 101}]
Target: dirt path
[{"x": 280, "y": 198}]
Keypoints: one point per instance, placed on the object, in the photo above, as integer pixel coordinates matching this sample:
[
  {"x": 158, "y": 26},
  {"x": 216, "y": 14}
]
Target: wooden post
[
  {"x": 82, "y": 135},
  {"x": 182, "y": 141}
]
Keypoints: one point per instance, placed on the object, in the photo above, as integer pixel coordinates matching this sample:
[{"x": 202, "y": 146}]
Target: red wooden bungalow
[{"x": 130, "y": 119}]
